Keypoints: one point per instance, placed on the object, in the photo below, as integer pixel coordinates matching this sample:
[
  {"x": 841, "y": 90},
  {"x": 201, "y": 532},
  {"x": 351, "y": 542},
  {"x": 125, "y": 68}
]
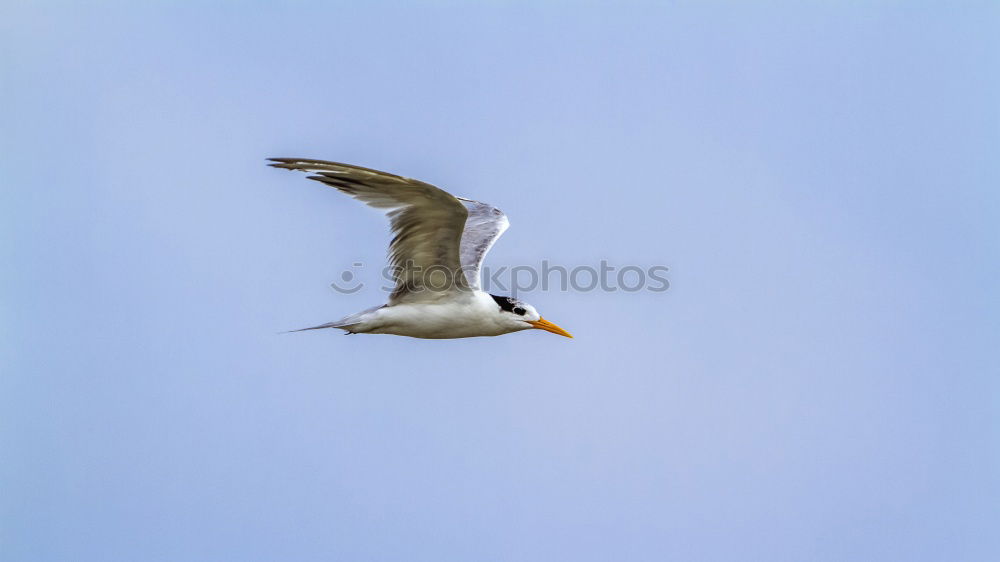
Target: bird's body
[
  {"x": 465, "y": 316},
  {"x": 439, "y": 245}
]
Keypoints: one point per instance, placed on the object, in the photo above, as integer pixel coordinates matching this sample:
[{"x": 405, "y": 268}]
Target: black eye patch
[{"x": 518, "y": 311}]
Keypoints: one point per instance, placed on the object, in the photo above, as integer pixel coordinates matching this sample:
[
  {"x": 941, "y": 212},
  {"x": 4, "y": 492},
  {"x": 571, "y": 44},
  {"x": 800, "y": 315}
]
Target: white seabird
[{"x": 437, "y": 252}]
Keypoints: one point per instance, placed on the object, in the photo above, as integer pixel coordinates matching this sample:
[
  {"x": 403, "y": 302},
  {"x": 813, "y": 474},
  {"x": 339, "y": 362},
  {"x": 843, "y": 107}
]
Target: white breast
[{"x": 471, "y": 316}]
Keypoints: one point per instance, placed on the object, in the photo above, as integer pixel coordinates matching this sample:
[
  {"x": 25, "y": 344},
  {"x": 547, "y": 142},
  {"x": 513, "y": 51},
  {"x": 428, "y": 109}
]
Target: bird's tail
[
  {"x": 346, "y": 323},
  {"x": 337, "y": 324}
]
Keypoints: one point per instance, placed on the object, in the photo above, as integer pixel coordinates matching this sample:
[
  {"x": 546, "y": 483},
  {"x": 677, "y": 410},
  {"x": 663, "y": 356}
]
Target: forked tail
[
  {"x": 337, "y": 324},
  {"x": 345, "y": 323}
]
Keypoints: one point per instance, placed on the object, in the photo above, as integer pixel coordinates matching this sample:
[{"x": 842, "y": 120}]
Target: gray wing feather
[
  {"x": 482, "y": 228},
  {"x": 427, "y": 222}
]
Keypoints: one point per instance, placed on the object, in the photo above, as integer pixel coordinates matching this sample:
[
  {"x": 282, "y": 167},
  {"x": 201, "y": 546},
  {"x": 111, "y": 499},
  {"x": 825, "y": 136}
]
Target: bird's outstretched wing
[
  {"x": 485, "y": 224},
  {"x": 427, "y": 222}
]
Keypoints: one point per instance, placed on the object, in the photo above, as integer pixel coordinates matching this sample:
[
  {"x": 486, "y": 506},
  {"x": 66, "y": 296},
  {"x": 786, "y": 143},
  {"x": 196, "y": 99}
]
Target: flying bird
[{"x": 437, "y": 253}]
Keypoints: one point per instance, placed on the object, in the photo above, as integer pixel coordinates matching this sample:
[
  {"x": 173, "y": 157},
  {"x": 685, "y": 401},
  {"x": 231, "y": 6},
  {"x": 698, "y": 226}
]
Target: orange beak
[{"x": 543, "y": 324}]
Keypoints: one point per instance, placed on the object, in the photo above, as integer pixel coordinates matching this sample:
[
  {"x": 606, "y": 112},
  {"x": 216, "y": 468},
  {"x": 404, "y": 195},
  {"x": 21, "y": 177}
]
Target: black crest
[
  {"x": 509, "y": 304},
  {"x": 506, "y": 303}
]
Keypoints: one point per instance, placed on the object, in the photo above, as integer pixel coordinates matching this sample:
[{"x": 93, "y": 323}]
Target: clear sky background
[{"x": 819, "y": 383}]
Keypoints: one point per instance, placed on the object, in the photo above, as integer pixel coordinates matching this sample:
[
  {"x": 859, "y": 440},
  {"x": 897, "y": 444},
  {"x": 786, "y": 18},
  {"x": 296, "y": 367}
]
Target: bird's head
[{"x": 519, "y": 315}]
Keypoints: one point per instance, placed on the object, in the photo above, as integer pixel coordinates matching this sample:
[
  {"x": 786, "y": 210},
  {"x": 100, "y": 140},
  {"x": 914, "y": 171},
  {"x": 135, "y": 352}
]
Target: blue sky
[{"x": 819, "y": 383}]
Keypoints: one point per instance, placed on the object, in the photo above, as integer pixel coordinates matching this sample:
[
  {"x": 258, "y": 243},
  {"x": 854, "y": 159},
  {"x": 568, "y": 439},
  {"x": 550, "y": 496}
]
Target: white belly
[{"x": 435, "y": 321}]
